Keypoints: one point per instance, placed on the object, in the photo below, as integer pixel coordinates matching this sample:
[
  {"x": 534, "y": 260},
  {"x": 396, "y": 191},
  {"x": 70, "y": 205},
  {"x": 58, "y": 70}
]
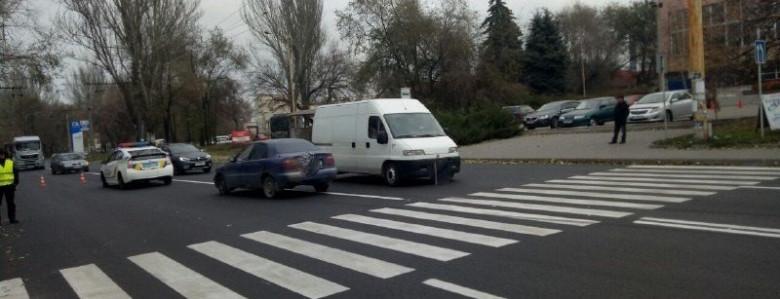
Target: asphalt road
[{"x": 184, "y": 240}]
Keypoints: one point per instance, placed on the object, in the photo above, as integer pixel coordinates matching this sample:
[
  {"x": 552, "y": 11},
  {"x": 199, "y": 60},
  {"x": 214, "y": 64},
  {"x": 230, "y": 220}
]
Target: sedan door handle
[{"x": 368, "y": 144}]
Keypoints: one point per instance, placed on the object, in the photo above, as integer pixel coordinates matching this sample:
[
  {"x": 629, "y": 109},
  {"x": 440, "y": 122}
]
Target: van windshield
[
  {"x": 413, "y": 125},
  {"x": 28, "y": 146}
]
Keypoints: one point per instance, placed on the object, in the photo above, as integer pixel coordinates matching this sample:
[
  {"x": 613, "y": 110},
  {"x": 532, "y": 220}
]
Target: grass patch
[{"x": 736, "y": 133}]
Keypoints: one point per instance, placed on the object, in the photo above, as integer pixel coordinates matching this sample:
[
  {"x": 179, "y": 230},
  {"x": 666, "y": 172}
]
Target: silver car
[{"x": 679, "y": 104}]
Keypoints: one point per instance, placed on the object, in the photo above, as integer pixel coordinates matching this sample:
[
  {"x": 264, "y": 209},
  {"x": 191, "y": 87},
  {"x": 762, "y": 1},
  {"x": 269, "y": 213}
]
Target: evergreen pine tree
[
  {"x": 503, "y": 47},
  {"x": 546, "y": 61}
]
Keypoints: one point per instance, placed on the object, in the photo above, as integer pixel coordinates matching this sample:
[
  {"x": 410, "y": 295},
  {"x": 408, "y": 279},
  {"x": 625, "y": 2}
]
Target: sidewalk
[{"x": 592, "y": 147}]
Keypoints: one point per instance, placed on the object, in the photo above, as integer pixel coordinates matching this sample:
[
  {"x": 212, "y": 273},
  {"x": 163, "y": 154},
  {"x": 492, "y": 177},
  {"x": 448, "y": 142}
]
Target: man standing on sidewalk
[
  {"x": 9, "y": 178},
  {"x": 621, "y": 117}
]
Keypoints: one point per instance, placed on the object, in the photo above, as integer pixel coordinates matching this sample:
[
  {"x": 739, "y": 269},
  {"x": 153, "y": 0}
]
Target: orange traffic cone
[
  {"x": 83, "y": 179},
  {"x": 43, "y": 182},
  {"x": 740, "y": 103}
]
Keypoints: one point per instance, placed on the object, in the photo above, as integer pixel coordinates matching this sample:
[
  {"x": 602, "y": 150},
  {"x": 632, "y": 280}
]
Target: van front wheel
[{"x": 391, "y": 175}]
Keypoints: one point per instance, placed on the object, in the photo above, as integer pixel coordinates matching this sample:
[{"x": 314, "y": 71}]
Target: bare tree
[
  {"x": 132, "y": 40},
  {"x": 292, "y": 30},
  {"x": 27, "y": 50}
]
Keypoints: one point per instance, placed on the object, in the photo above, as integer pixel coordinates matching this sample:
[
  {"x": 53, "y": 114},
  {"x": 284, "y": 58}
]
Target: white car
[
  {"x": 130, "y": 164},
  {"x": 679, "y": 105}
]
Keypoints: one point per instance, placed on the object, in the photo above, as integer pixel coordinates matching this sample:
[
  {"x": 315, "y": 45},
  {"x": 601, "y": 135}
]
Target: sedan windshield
[
  {"x": 413, "y": 125},
  {"x": 28, "y": 146},
  {"x": 71, "y": 157},
  {"x": 588, "y": 105},
  {"x": 651, "y": 99},
  {"x": 182, "y": 148},
  {"x": 550, "y": 106}
]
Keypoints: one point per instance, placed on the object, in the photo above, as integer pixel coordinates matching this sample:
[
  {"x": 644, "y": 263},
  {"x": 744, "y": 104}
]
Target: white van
[{"x": 395, "y": 138}]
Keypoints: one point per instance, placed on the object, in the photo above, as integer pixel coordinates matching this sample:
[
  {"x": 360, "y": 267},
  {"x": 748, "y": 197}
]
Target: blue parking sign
[{"x": 760, "y": 52}]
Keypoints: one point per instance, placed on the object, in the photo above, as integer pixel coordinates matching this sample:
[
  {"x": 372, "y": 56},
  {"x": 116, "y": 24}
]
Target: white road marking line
[
  {"x": 183, "y": 280},
  {"x": 631, "y": 184},
  {"x": 623, "y": 189},
  {"x": 194, "y": 182},
  {"x": 90, "y": 282},
  {"x": 419, "y": 249},
  {"x": 710, "y": 228},
  {"x": 507, "y": 227},
  {"x": 686, "y": 171},
  {"x": 535, "y": 207},
  {"x": 463, "y": 291},
  {"x": 13, "y": 289},
  {"x": 719, "y": 225},
  {"x": 506, "y": 214},
  {"x": 364, "y": 196},
  {"x": 294, "y": 280},
  {"x": 686, "y": 176},
  {"x": 758, "y": 187},
  {"x": 759, "y": 168},
  {"x": 584, "y": 202},
  {"x": 429, "y": 231},
  {"x": 637, "y": 179},
  {"x": 338, "y": 257},
  {"x": 599, "y": 194}
]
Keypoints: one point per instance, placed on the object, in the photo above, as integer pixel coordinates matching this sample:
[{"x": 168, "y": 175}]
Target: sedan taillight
[
  {"x": 330, "y": 161},
  {"x": 290, "y": 164}
]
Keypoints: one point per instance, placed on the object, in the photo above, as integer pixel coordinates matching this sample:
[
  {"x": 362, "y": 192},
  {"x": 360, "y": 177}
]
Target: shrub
[{"x": 478, "y": 124}]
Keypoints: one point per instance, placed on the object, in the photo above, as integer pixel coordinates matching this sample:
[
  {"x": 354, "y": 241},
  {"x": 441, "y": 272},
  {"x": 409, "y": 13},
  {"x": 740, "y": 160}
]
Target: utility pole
[{"x": 661, "y": 63}]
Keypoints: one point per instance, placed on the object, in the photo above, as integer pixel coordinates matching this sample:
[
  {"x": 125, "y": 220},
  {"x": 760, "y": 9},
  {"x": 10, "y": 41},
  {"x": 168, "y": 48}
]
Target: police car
[{"x": 136, "y": 162}]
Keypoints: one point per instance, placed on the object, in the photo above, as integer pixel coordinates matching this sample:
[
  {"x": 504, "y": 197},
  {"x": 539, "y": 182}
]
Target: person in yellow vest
[{"x": 9, "y": 178}]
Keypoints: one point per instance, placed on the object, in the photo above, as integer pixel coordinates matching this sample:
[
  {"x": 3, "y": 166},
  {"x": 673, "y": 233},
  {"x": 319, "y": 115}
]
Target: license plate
[
  {"x": 200, "y": 163},
  {"x": 149, "y": 165}
]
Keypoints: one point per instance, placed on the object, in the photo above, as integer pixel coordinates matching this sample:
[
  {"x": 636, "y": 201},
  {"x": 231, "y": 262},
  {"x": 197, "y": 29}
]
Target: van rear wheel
[{"x": 391, "y": 175}]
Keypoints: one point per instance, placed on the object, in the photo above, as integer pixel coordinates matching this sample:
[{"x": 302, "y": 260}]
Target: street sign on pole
[{"x": 760, "y": 52}]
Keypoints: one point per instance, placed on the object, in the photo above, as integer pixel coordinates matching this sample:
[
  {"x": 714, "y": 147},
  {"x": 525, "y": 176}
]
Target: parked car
[
  {"x": 186, "y": 157},
  {"x": 68, "y": 162},
  {"x": 548, "y": 114},
  {"x": 276, "y": 164},
  {"x": 519, "y": 111},
  {"x": 590, "y": 112},
  {"x": 679, "y": 105},
  {"x": 136, "y": 162}
]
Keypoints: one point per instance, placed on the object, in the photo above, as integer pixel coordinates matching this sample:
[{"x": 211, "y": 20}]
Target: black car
[
  {"x": 186, "y": 157},
  {"x": 548, "y": 114},
  {"x": 69, "y": 162}
]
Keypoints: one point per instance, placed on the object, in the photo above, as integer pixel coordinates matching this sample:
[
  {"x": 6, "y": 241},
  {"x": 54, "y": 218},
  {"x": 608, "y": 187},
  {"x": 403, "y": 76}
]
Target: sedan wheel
[
  {"x": 269, "y": 187},
  {"x": 669, "y": 116},
  {"x": 322, "y": 187},
  {"x": 554, "y": 123},
  {"x": 103, "y": 180},
  {"x": 222, "y": 186},
  {"x": 121, "y": 181},
  {"x": 591, "y": 122}
]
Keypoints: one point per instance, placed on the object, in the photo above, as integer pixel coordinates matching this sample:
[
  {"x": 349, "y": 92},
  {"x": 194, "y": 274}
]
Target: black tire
[
  {"x": 669, "y": 116},
  {"x": 322, "y": 187},
  {"x": 270, "y": 190},
  {"x": 121, "y": 181},
  {"x": 52, "y": 171},
  {"x": 167, "y": 181},
  {"x": 600, "y": 123},
  {"x": 177, "y": 171},
  {"x": 530, "y": 127},
  {"x": 103, "y": 180},
  {"x": 554, "y": 123},
  {"x": 206, "y": 170},
  {"x": 222, "y": 186},
  {"x": 391, "y": 175}
]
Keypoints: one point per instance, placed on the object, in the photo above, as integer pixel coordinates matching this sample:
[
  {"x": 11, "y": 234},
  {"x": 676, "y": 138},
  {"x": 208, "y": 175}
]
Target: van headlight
[
  {"x": 453, "y": 150},
  {"x": 418, "y": 152}
]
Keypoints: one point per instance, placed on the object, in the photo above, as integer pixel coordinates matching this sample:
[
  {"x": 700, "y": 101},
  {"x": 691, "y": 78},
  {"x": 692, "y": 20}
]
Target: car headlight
[
  {"x": 208, "y": 156},
  {"x": 579, "y": 116},
  {"x": 414, "y": 152},
  {"x": 453, "y": 150},
  {"x": 544, "y": 116},
  {"x": 183, "y": 159},
  {"x": 656, "y": 109}
]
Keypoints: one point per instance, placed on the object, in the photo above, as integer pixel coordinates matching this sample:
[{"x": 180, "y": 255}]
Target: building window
[
  {"x": 678, "y": 33},
  {"x": 713, "y": 14}
]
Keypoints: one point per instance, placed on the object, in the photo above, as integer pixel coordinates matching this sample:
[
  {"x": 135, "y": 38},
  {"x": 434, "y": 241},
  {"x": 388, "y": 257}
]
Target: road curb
[{"x": 713, "y": 162}]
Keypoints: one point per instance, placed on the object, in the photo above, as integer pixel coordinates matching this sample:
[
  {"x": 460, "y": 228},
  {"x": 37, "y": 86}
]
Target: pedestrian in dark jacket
[
  {"x": 9, "y": 178},
  {"x": 621, "y": 117}
]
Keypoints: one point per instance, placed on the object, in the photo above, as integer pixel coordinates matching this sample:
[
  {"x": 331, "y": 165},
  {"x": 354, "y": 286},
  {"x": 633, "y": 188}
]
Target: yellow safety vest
[{"x": 7, "y": 173}]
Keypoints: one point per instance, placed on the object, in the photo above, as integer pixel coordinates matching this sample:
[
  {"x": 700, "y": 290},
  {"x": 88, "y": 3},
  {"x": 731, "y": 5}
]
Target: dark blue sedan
[{"x": 276, "y": 164}]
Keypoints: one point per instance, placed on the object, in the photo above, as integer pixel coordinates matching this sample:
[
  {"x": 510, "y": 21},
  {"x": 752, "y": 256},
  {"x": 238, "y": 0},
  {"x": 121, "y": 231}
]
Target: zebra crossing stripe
[
  {"x": 460, "y": 290},
  {"x": 680, "y": 181},
  {"x": 631, "y": 184},
  {"x": 183, "y": 280},
  {"x": 505, "y": 214},
  {"x": 758, "y": 168},
  {"x": 547, "y": 208},
  {"x": 419, "y": 249},
  {"x": 90, "y": 282},
  {"x": 598, "y": 194},
  {"x": 507, "y": 227},
  {"x": 13, "y": 289},
  {"x": 622, "y": 189},
  {"x": 711, "y": 227},
  {"x": 429, "y": 231},
  {"x": 294, "y": 280},
  {"x": 686, "y": 176},
  {"x": 686, "y": 171},
  {"x": 338, "y": 257},
  {"x": 586, "y": 202}
]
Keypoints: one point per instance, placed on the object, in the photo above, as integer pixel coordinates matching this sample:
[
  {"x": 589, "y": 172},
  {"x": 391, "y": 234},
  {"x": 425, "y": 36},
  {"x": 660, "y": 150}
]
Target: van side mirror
[{"x": 381, "y": 138}]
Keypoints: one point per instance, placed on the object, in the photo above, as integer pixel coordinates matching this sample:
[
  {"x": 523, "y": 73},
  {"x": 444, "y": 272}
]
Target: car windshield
[
  {"x": 70, "y": 157},
  {"x": 550, "y": 106},
  {"x": 651, "y": 99},
  {"x": 182, "y": 148},
  {"x": 295, "y": 146},
  {"x": 588, "y": 105},
  {"x": 28, "y": 146},
  {"x": 413, "y": 125}
]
